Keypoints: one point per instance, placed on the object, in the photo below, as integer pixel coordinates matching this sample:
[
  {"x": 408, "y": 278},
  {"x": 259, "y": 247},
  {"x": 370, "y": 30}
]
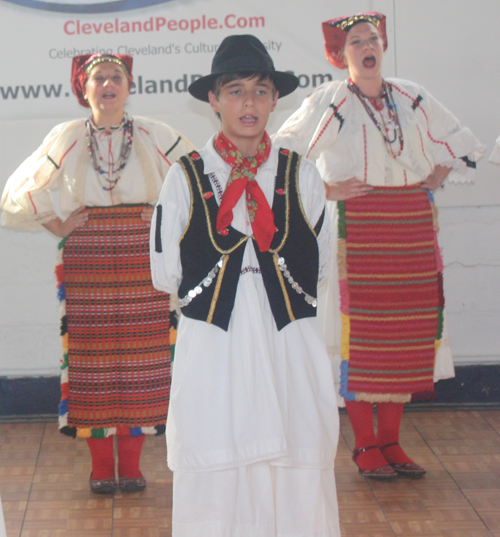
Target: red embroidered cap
[
  {"x": 84, "y": 63},
  {"x": 335, "y": 33}
]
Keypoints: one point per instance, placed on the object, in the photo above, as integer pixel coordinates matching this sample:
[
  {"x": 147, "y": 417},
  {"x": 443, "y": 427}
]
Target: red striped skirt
[
  {"x": 390, "y": 274},
  {"x": 118, "y": 353}
]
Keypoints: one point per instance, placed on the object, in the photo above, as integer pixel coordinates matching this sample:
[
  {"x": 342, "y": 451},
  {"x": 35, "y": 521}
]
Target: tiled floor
[
  {"x": 459, "y": 496},
  {"x": 44, "y": 490}
]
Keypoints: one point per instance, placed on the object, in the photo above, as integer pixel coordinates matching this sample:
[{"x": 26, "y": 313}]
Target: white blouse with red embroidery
[
  {"x": 333, "y": 129},
  {"x": 63, "y": 163}
]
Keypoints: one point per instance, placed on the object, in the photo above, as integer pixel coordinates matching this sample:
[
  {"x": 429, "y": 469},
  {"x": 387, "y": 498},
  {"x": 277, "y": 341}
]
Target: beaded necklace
[
  {"x": 378, "y": 103},
  {"x": 112, "y": 175}
]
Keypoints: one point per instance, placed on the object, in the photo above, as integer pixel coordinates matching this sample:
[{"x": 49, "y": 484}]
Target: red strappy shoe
[{"x": 407, "y": 469}]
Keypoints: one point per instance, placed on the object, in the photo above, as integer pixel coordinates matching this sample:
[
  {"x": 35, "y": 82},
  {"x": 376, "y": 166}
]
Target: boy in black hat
[{"x": 240, "y": 235}]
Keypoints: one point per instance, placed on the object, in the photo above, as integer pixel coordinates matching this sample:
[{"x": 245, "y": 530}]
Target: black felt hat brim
[
  {"x": 242, "y": 54},
  {"x": 285, "y": 83}
]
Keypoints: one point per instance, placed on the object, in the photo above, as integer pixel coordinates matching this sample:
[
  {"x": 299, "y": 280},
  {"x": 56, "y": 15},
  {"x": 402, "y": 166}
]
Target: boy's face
[{"x": 244, "y": 106}]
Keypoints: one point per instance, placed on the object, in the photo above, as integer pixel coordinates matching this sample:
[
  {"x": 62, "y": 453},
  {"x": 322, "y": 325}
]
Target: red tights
[
  {"x": 103, "y": 460},
  {"x": 389, "y": 420},
  {"x": 129, "y": 454}
]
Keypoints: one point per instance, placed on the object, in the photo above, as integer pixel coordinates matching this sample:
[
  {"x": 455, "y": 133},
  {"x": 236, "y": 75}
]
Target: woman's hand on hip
[
  {"x": 344, "y": 190},
  {"x": 147, "y": 214},
  {"x": 436, "y": 178},
  {"x": 64, "y": 228}
]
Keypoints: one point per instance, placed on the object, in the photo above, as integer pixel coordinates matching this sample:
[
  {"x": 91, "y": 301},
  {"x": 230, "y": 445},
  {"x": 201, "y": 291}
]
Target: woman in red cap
[
  {"x": 382, "y": 146},
  {"x": 109, "y": 170}
]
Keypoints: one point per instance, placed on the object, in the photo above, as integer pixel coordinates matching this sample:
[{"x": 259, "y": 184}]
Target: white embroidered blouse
[{"x": 63, "y": 163}]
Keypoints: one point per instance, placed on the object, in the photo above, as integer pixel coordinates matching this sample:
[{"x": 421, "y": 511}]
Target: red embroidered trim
[
  {"x": 32, "y": 203},
  {"x": 164, "y": 157},
  {"x": 426, "y": 119},
  {"x": 422, "y": 146},
  {"x": 59, "y": 165},
  {"x": 334, "y": 111},
  {"x": 70, "y": 148}
]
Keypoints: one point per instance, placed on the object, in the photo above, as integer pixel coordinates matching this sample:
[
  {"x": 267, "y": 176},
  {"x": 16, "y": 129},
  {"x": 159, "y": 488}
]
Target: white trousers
[
  {"x": 3, "y": 532},
  {"x": 258, "y": 500}
]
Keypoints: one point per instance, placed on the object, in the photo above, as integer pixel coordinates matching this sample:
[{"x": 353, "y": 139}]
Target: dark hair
[{"x": 224, "y": 79}]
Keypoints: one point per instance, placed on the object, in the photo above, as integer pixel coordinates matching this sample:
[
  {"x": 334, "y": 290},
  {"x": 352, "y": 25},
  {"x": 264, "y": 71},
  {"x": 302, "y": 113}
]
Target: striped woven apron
[
  {"x": 115, "y": 328},
  {"x": 391, "y": 293}
]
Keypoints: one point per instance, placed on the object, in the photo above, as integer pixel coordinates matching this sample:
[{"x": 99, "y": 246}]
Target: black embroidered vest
[{"x": 211, "y": 262}]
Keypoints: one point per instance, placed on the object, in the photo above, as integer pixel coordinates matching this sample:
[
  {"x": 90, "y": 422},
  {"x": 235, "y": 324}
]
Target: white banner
[
  {"x": 450, "y": 47},
  {"x": 173, "y": 42}
]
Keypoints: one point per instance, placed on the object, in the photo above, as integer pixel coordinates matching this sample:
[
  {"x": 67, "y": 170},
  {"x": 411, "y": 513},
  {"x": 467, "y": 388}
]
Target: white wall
[{"x": 449, "y": 46}]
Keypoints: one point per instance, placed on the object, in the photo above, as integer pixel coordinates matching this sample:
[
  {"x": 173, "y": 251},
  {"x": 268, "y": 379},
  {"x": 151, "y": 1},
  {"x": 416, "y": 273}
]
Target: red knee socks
[
  {"x": 129, "y": 453},
  {"x": 389, "y": 420},
  {"x": 103, "y": 460},
  {"x": 361, "y": 418}
]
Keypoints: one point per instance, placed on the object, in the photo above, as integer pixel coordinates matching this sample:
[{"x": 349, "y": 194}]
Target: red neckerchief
[{"x": 243, "y": 178}]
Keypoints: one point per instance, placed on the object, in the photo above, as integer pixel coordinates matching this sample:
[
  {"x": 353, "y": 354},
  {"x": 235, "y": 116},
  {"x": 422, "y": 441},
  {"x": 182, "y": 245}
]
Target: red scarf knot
[{"x": 242, "y": 178}]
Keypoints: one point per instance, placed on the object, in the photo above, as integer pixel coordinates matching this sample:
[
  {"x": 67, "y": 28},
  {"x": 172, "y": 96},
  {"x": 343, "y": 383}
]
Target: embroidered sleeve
[
  {"x": 26, "y": 200},
  {"x": 167, "y": 226},
  {"x": 312, "y": 193},
  {"x": 495, "y": 154},
  {"x": 309, "y": 127},
  {"x": 450, "y": 143},
  {"x": 170, "y": 144}
]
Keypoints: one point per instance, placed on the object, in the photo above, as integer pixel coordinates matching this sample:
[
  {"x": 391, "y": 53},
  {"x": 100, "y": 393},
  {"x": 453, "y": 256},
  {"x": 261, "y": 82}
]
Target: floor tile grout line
[
  {"x": 489, "y": 424},
  {"x": 382, "y": 509},
  {"x": 453, "y": 479},
  {"x": 421, "y": 431},
  {"x": 374, "y": 494},
  {"x": 33, "y": 478}
]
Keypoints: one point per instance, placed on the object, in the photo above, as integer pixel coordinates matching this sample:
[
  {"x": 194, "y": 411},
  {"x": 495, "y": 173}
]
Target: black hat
[{"x": 242, "y": 54}]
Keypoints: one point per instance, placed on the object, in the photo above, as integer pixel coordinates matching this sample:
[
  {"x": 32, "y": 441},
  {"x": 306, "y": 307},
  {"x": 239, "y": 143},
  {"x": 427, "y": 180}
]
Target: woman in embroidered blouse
[
  {"x": 109, "y": 170},
  {"x": 382, "y": 147}
]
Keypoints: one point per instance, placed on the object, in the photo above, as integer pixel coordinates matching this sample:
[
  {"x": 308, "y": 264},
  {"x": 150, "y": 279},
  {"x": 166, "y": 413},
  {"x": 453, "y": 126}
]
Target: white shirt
[
  {"x": 333, "y": 129},
  {"x": 63, "y": 163},
  {"x": 252, "y": 393}
]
